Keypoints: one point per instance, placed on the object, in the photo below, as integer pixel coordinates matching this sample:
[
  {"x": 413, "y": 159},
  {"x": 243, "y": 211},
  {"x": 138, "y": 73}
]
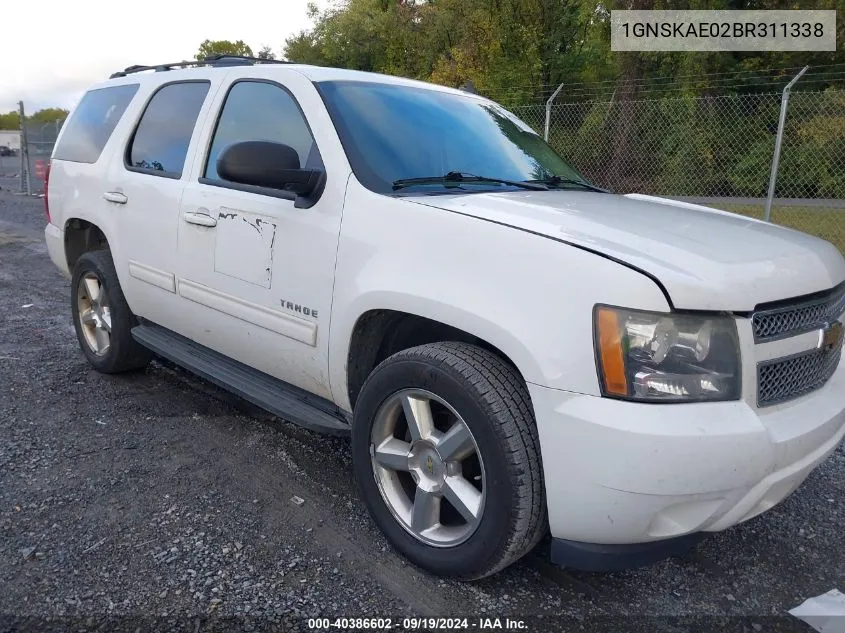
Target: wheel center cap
[{"x": 427, "y": 467}]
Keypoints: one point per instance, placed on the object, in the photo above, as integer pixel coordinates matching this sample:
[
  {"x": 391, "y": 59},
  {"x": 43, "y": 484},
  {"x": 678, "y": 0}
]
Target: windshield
[{"x": 394, "y": 133}]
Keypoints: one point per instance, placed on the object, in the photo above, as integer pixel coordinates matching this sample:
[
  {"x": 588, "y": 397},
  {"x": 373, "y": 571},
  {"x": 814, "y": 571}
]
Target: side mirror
[{"x": 266, "y": 164}]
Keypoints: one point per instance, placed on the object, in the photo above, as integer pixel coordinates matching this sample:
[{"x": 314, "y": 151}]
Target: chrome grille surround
[
  {"x": 787, "y": 378},
  {"x": 798, "y": 317}
]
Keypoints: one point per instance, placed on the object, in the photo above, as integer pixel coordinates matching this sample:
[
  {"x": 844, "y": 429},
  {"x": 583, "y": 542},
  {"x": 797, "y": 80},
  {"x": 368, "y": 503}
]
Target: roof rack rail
[
  {"x": 236, "y": 60},
  {"x": 211, "y": 60}
]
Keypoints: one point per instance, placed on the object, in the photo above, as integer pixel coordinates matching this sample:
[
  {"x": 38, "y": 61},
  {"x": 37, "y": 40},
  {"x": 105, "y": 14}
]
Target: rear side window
[
  {"x": 161, "y": 140},
  {"x": 261, "y": 111},
  {"x": 92, "y": 123}
]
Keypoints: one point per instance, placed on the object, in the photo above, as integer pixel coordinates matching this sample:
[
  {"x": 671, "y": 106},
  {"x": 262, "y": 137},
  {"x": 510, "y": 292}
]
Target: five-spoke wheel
[
  {"x": 428, "y": 467},
  {"x": 447, "y": 458},
  {"x": 92, "y": 303}
]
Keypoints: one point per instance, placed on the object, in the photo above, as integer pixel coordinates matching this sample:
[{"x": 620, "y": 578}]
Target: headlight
[{"x": 657, "y": 357}]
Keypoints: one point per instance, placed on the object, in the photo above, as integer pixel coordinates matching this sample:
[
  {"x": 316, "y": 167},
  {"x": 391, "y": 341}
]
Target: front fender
[{"x": 530, "y": 296}]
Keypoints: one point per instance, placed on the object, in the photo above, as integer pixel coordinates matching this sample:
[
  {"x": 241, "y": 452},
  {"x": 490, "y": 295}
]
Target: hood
[{"x": 705, "y": 259}]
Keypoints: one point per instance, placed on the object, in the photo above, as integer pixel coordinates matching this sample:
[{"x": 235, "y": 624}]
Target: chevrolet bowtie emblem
[
  {"x": 831, "y": 336},
  {"x": 429, "y": 463}
]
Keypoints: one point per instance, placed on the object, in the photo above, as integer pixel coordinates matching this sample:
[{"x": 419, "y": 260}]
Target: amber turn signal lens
[{"x": 611, "y": 353}]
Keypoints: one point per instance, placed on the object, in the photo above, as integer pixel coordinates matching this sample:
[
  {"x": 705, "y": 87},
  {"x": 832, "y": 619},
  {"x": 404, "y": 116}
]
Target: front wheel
[{"x": 446, "y": 455}]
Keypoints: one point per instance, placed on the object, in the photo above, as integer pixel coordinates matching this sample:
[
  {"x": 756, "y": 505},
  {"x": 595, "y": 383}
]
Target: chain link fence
[
  {"x": 10, "y": 162},
  {"x": 26, "y": 169},
  {"x": 40, "y": 139},
  {"x": 714, "y": 150}
]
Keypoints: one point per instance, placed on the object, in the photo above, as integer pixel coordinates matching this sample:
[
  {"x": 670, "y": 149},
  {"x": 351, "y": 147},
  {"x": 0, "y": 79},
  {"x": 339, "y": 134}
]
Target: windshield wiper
[
  {"x": 557, "y": 180},
  {"x": 458, "y": 177}
]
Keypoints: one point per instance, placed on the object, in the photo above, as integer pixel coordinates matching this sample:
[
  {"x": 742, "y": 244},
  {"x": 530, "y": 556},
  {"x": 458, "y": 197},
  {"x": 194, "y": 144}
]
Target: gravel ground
[{"x": 157, "y": 495}]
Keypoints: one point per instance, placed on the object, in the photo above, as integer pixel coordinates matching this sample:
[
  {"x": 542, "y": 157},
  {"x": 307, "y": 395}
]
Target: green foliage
[
  {"x": 48, "y": 115},
  {"x": 813, "y": 163},
  {"x": 10, "y": 121},
  {"x": 222, "y": 47},
  {"x": 508, "y": 47},
  {"x": 688, "y": 147},
  {"x": 517, "y": 50}
]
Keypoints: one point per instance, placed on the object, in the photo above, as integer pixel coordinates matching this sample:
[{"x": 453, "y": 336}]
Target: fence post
[
  {"x": 26, "y": 178},
  {"x": 549, "y": 111},
  {"x": 778, "y": 141}
]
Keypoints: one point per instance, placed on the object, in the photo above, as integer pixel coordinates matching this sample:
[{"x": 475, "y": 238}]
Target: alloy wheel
[
  {"x": 94, "y": 313},
  {"x": 428, "y": 467}
]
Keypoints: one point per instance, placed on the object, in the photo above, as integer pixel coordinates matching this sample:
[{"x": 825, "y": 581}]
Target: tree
[
  {"x": 632, "y": 69},
  {"x": 519, "y": 51},
  {"x": 266, "y": 53},
  {"x": 10, "y": 121},
  {"x": 209, "y": 48},
  {"x": 48, "y": 115},
  {"x": 304, "y": 48},
  {"x": 509, "y": 49}
]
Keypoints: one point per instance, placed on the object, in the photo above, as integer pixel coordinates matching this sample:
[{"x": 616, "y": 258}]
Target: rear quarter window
[{"x": 92, "y": 123}]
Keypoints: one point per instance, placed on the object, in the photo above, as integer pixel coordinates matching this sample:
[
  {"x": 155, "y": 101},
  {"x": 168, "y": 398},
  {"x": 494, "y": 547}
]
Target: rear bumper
[
  {"x": 619, "y": 473},
  {"x": 55, "y": 238}
]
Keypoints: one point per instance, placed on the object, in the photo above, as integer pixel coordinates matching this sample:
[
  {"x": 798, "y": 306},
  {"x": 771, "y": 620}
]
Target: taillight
[{"x": 46, "y": 193}]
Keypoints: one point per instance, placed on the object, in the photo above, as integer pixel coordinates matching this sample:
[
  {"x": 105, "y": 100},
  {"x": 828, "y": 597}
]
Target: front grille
[
  {"x": 801, "y": 316},
  {"x": 787, "y": 378}
]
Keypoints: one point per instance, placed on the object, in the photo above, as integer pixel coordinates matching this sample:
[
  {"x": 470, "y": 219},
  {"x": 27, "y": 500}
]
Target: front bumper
[
  {"x": 620, "y": 472},
  {"x": 599, "y": 557}
]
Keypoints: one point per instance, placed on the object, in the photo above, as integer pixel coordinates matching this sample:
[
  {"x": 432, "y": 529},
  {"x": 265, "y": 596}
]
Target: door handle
[
  {"x": 201, "y": 219},
  {"x": 115, "y": 196}
]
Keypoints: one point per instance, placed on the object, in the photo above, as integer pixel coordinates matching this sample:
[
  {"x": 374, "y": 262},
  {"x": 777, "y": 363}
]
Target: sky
[{"x": 53, "y": 50}]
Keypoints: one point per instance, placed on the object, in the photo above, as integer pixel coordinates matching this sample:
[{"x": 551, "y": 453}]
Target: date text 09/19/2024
[{"x": 424, "y": 623}]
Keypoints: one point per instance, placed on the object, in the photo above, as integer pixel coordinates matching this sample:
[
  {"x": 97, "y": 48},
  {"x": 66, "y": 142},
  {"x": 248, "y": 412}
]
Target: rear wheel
[
  {"x": 102, "y": 318},
  {"x": 446, "y": 454}
]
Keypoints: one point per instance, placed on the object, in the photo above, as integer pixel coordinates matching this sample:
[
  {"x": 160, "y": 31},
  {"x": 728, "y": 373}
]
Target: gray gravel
[
  {"x": 158, "y": 495},
  {"x": 10, "y": 167}
]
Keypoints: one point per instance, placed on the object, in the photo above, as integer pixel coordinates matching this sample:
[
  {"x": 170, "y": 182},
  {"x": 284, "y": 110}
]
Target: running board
[{"x": 278, "y": 397}]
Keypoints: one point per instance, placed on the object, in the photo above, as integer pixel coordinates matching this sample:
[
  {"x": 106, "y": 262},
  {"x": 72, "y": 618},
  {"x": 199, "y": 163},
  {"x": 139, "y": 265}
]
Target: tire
[
  {"x": 487, "y": 395},
  {"x": 92, "y": 316}
]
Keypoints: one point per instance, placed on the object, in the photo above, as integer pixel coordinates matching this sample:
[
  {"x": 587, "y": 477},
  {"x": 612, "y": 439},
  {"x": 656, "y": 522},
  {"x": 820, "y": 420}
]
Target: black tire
[
  {"x": 124, "y": 352},
  {"x": 493, "y": 400}
]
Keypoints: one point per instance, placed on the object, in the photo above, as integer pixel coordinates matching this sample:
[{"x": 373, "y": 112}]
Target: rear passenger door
[
  {"x": 255, "y": 264},
  {"x": 143, "y": 191}
]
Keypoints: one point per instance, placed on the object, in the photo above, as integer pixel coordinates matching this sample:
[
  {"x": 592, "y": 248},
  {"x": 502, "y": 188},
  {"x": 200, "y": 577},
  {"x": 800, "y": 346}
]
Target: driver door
[{"x": 255, "y": 270}]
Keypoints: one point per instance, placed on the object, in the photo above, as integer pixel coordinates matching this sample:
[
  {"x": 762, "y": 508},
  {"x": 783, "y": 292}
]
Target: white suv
[{"x": 513, "y": 350}]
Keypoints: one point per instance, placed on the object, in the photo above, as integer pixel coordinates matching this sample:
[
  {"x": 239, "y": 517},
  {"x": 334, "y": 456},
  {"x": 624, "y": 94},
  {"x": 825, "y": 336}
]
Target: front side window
[
  {"x": 394, "y": 132},
  {"x": 261, "y": 111},
  {"x": 92, "y": 123},
  {"x": 161, "y": 140}
]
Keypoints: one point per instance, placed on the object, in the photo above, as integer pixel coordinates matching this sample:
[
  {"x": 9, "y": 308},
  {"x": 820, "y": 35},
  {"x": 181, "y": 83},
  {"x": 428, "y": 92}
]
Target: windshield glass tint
[{"x": 393, "y": 132}]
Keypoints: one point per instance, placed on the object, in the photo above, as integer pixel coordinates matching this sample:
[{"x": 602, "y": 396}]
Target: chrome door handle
[
  {"x": 201, "y": 219},
  {"x": 115, "y": 196}
]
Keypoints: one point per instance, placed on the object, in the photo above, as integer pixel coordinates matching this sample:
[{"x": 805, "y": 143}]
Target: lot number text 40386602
[{"x": 424, "y": 623}]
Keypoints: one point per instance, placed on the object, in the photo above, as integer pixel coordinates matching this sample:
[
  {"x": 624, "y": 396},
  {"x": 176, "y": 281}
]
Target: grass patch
[{"x": 828, "y": 224}]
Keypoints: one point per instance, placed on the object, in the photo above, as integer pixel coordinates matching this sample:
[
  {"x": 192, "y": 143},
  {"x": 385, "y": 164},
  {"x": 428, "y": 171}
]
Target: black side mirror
[{"x": 266, "y": 164}]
